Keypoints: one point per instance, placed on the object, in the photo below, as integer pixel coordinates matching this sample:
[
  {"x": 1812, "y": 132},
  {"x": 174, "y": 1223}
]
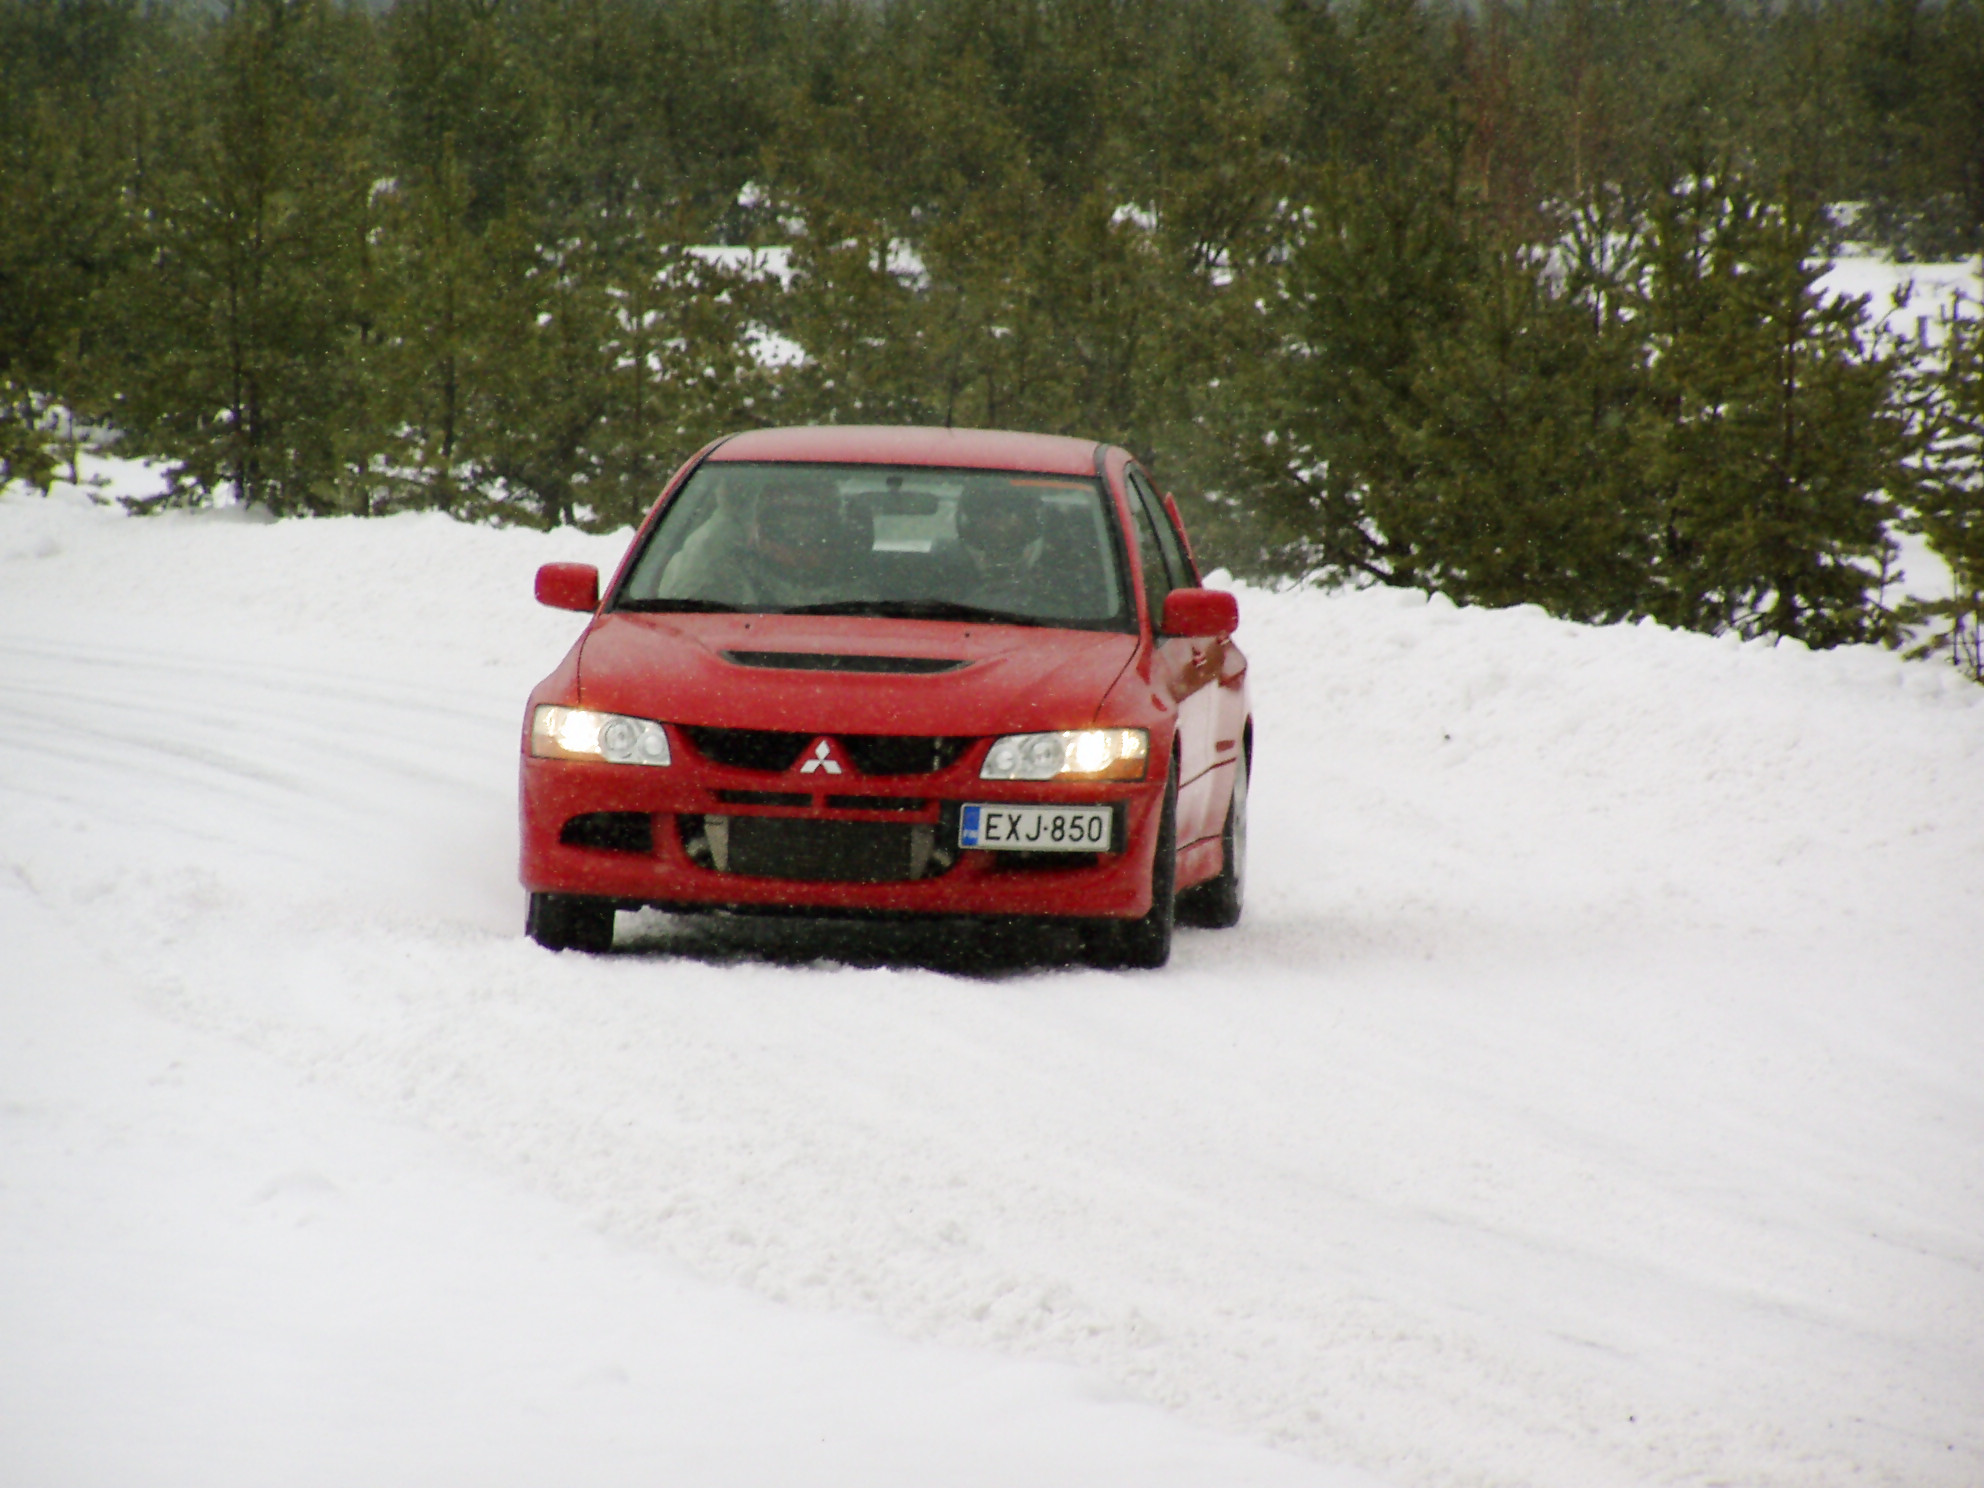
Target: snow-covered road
[{"x": 1589, "y": 1097}]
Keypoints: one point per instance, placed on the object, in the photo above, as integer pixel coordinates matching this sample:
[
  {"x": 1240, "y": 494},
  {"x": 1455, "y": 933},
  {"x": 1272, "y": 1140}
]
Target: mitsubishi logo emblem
[{"x": 821, "y": 758}]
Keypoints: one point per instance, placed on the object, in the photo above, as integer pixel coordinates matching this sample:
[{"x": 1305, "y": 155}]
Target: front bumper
[{"x": 672, "y": 868}]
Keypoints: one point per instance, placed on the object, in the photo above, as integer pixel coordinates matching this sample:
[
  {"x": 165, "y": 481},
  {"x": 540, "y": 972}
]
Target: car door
[{"x": 1189, "y": 668}]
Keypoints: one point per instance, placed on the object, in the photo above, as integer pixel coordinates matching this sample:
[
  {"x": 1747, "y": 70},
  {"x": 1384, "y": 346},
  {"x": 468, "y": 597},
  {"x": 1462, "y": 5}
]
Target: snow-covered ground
[
  {"x": 1929, "y": 294},
  {"x": 1590, "y": 1096}
]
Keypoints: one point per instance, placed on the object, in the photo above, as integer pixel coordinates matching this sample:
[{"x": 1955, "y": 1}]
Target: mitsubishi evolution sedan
[{"x": 895, "y": 672}]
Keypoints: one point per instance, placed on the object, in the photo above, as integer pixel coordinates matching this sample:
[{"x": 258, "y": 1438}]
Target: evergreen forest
[{"x": 1514, "y": 300}]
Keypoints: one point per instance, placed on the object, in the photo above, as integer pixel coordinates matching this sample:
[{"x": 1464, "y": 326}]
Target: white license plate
[{"x": 1036, "y": 828}]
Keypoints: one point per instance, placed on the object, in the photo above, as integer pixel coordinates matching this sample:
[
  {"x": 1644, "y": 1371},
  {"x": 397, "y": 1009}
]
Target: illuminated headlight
[
  {"x": 576, "y": 733},
  {"x": 1072, "y": 754}
]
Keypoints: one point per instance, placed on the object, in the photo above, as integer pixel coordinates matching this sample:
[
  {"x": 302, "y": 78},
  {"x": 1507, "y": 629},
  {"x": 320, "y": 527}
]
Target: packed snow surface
[{"x": 1590, "y": 1095}]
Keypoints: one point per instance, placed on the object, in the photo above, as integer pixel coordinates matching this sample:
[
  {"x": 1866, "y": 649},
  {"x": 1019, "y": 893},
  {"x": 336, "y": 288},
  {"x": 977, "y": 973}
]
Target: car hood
[{"x": 1011, "y": 678}]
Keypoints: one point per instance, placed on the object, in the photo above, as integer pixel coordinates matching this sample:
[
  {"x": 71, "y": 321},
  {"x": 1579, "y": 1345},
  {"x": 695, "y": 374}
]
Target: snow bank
[{"x": 1588, "y": 1097}]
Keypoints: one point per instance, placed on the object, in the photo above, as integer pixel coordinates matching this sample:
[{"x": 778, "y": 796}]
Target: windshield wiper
[
  {"x": 679, "y": 606},
  {"x": 919, "y": 609}
]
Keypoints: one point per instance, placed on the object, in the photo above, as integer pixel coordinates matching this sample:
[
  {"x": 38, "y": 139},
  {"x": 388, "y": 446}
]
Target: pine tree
[
  {"x": 611, "y": 356},
  {"x": 1949, "y": 505},
  {"x": 1376, "y": 280},
  {"x": 462, "y": 105},
  {"x": 679, "y": 366},
  {"x": 64, "y": 161},
  {"x": 1519, "y": 433},
  {"x": 430, "y": 292},
  {"x": 1914, "y": 80},
  {"x": 856, "y": 310},
  {"x": 1775, "y": 439},
  {"x": 239, "y": 321}
]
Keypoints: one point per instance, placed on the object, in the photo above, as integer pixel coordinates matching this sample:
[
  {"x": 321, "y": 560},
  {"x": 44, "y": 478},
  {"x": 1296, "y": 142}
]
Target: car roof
[{"x": 881, "y": 444}]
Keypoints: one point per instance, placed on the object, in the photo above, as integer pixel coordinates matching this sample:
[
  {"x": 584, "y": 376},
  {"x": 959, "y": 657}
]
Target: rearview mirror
[
  {"x": 898, "y": 503},
  {"x": 568, "y": 586},
  {"x": 1200, "y": 613}
]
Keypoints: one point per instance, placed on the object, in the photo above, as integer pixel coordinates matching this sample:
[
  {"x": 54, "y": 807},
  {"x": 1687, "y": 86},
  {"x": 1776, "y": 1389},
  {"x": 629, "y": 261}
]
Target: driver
[
  {"x": 797, "y": 548},
  {"x": 1002, "y": 535}
]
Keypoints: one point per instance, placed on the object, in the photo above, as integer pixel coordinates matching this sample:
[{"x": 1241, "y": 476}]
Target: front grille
[
  {"x": 902, "y": 754},
  {"x": 813, "y": 850},
  {"x": 747, "y": 749},
  {"x": 872, "y": 754},
  {"x": 872, "y": 803},
  {"x": 849, "y": 852}
]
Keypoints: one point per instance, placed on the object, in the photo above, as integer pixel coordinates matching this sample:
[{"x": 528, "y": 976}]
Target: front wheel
[
  {"x": 1145, "y": 943},
  {"x": 1216, "y": 903},
  {"x": 570, "y": 922}
]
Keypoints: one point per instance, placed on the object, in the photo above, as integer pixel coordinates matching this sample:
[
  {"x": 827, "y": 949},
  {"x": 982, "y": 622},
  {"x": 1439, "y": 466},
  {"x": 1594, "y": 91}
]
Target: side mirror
[
  {"x": 1200, "y": 612},
  {"x": 568, "y": 586}
]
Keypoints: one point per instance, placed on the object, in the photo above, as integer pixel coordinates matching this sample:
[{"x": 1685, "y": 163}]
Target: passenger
[{"x": 1002, "y": 536}]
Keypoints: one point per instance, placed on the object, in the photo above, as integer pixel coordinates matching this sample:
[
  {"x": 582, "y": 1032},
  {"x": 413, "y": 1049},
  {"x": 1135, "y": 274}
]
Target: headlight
[
  {"x": 576, "y": 733},
  {"x": 1072, "y": 754}
]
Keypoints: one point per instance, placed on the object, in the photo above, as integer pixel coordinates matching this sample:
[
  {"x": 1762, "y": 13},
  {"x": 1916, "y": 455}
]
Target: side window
[
  {"x": 1164, "y": 562},
  {"x": 1171, "y": 526},
  {"x": 1175, "y": 561},
  {"x": 1157, "y": 578}
]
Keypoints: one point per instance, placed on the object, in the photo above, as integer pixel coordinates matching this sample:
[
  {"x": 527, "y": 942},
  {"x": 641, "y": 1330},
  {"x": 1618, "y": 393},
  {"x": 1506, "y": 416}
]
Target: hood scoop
[{"x": 824, "y": 661}]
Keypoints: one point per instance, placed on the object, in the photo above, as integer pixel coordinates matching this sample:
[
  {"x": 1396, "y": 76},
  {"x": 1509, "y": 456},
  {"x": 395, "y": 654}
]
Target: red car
[{"x": 895, "y": 671}]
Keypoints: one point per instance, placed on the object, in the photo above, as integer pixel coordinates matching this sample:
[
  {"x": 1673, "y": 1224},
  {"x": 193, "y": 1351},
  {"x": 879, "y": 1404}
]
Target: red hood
[{"x": 1015, "y": 678}]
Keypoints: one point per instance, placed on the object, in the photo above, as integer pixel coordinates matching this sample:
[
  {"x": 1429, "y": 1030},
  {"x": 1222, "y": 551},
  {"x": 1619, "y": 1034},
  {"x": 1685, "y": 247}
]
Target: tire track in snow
[
  {"x": 311, "y": 738},
  {"x": 268, "y": 782}
]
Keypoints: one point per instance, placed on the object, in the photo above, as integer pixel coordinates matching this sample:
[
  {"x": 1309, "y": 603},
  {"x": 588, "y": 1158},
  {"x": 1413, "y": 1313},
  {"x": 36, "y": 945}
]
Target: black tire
[
  {"x": 1145, "y": 943},
  {"x": 570, "y": 922},
  {"x": 1216, "y": 903}
]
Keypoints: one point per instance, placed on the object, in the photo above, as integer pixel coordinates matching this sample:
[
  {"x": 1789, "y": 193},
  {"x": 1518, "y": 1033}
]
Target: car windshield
[{"x": 885, "y": 540}]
